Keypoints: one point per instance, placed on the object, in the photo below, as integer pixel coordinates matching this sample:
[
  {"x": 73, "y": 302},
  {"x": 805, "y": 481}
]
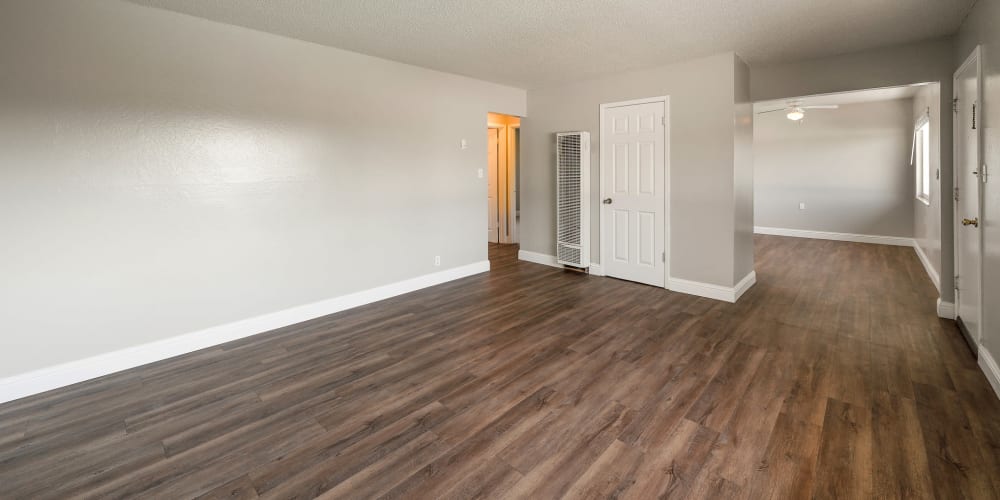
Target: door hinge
[
  {"x": 663, "y": 256},
  {"x": 973, "y": 116},
  {"x": 663, "y": 120},
  {"x": 956, "y": 193},
  {"x": 956, "y": 282},
  {"x": 983, "y": 174},
  {"x": 954, "y": 105}
]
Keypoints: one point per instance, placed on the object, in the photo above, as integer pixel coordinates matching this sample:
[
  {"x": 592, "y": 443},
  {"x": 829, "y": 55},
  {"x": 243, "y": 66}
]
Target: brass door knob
[
  {"x": 607, "y": 201},
  {"x": 971, "y": 222}
]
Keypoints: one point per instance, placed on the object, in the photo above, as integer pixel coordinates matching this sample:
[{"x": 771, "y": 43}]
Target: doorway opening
[
  {"x": 503, "y": 133},
  {"x": 861, "y": 166}
]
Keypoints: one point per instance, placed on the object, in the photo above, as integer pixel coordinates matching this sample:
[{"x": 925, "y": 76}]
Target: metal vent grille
[
  {"x": 569, "y": 189},
  {"x": 567, "y": 253},
  {"x": 572, "y": 183}
]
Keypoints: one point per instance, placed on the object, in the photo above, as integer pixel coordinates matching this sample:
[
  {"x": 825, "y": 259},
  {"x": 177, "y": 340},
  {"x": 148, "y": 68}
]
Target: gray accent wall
[
  {"x": 161, "y": 174},
  {"x": 927, "y": 61},
  {"x": 743, "y": 175},
  {"x": 701, "y": 155},
  {"x": 850, "y": 166}
]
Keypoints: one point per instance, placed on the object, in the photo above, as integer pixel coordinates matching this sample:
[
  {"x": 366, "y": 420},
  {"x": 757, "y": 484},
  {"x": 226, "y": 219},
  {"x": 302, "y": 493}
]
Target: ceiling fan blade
[
  {"x": 771, "y": 111},
  {"x": 821, "y": 106}
]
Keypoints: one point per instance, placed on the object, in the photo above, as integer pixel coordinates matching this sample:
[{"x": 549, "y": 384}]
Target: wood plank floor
[{"x": 831, "y": 378}]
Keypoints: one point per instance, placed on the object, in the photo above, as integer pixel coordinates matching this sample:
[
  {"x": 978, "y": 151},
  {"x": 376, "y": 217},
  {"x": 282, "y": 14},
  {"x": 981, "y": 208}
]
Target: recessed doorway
[{"x": 502, "y": 134}]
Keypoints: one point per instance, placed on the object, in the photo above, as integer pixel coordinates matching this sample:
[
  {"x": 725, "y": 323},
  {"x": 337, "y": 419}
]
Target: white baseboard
[
  {"x": 551, "y": 260},
  {"x": 538, "y": 258},
  {"x": 748, "y": 281},
  {"x": 711, "y": 291},
  {"x": 717, "y": 292},
  {"x": 825, "y": 235},
  {"x": 990, "y": 369},
  {"x": 38, "y": 381},
  {"x": 935, "y": 278},
  {"x": 945, "y": 310},
  {"x": 708, "y": 290}
]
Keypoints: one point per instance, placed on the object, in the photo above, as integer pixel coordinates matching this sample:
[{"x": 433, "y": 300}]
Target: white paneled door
[
  {"x": 633, "y": 192},
  {"x": 968, "y": 247},
  {"x": 493, "y": 159}
]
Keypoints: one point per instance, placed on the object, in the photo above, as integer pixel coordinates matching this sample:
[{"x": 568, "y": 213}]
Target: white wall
[
  {"x": 701, "y": 159},
  {"x": 980, "y": 27},
  {"x": 850, "y": 166},
  {"x": 928, "y": 61},
  {"x": 927, "y": 218},
  {"x": 160, "y": 174}
]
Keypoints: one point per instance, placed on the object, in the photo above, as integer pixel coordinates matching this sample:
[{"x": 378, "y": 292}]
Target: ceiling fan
[{"x": 796, "y": 111}]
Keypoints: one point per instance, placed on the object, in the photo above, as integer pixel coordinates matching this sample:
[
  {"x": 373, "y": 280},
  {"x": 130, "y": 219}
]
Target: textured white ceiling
[{"x": 531, "y": 43}]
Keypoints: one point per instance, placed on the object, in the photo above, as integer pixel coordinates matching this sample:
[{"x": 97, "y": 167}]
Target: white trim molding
[
  {"x": 538, "y": 258},
  {"x": 45, "y": 379},
  {"x": 945, "y": 310},
  {"x": 990, "y": 369},
  {"x": 712, "y": 291},
  {"x": 552, "y": 261},
  {"x": 826, "y": 235},
  {"x": 748, "y": 281},
  {"x": 707, "y": 290},
  {"x": 935, "y": 278}
]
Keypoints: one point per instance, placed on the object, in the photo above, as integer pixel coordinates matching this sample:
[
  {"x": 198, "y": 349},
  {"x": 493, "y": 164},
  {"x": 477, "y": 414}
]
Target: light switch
[
  {"x": 481, "y": 173},
  {"x": 465, "y": 145},
  {"x": 802, "y": 205}
]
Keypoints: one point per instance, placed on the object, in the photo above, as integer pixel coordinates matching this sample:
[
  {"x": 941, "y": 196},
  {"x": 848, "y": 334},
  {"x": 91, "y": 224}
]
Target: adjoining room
[
  {"x": 843, "y": 166},
  {"x": 502, "y": 160}
]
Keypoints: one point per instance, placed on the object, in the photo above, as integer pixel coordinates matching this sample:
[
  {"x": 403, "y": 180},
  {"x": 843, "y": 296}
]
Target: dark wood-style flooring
[{"x": 831, "y": 378}]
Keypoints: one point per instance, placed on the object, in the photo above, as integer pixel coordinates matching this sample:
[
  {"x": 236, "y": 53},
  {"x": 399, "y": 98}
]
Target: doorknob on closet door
[
  {"x": 971, "y": 222},
  {"x": 607, "y": 201}
]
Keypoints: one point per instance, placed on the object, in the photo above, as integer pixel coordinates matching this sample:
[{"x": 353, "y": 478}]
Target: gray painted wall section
[
  {"x": 850, "y": 166},
  {"x": 162, "y": 174},
  {"x": 700, "y": 150}
]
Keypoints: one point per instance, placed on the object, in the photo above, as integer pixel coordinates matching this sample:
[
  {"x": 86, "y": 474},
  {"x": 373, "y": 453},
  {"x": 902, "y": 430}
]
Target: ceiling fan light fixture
[{"x": 796, "y": 114}]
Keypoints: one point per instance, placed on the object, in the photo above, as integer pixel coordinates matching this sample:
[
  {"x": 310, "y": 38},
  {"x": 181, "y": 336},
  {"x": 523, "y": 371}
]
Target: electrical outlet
[
  {"x": 481, "y": 173},
  {"x": 437, "y": 260},
  {"x": 464, "y": 144},
  {"x": 802, "y": 206}
]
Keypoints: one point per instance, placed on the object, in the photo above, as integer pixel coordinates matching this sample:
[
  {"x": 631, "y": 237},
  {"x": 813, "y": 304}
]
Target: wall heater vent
[{"x": 573, "y": 199}]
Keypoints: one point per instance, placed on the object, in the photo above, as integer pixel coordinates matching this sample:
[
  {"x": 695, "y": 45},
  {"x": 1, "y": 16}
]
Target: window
[{"x": 921, "y": 158}]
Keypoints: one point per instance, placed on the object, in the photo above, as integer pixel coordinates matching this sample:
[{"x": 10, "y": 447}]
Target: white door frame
[
  {"x": 512, "y": 193},
  {"x": 973, "y": 58},
  {"x": 666, "y": 178},
  {"x": 500, "y": 136}
]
